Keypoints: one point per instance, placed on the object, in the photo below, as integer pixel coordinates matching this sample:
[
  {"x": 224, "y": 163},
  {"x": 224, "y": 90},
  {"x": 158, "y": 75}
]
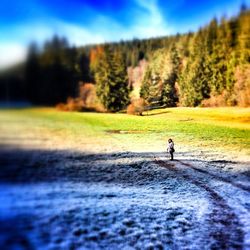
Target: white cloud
[
  {"x": 78, "y": 35},
  {"x": 148, "y": 22},
  {"x": 11, "y": 53},
  {"x": 151, "y": 23}
]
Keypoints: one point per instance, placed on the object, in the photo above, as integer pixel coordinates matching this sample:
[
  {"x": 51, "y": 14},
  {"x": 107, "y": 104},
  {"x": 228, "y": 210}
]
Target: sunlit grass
[{"x": 227, "y": 128}]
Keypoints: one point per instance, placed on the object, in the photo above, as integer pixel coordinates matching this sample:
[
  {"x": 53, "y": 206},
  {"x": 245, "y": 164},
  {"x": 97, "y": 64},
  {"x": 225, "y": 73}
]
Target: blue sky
[{"x": 96, "y": 21}]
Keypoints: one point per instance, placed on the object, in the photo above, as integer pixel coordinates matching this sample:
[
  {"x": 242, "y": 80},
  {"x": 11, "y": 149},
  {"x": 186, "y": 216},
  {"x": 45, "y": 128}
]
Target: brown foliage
[
  {"x": 131, "y": 109},
  {"x": 136, "y": 107},
  {"x": 87, "y": 94},
  {"x": 95, "y": 54},
  {"x": 135, "y": 77},
  {"x": 74, "y": 104},
  {"x": 240, "y": 95},
  {"x": 216, "y": 100},
  {"x": 87, "y": 100},
  {"x": 71, "y": 105},
  {"x": 242, "y": 85},
  {"x": 61, "y": 107}
]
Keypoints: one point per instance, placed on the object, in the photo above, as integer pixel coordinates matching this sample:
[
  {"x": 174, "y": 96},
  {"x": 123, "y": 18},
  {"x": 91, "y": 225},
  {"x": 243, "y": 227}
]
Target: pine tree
[
  {"x": 33, "y": 74},
  {"x": 211, "y": 64},
  {"x": 111, "y": 80},
  {"x": 119, "y": 91},
  {"x": 169, "y": 94},
  {"x": 193, "y": 81},
  {"x": 151, "y": 89},
  {"x": 101, "y": 69},
  {"x": 221, "y": 52},
  {"x": 243, "y": 48},
  {"x": 146, "y": 82}
]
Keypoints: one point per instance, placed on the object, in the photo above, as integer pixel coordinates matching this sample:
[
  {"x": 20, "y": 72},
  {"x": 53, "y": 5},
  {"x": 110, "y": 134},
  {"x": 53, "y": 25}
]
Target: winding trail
[
  {"x": 220, "y": 178},
  {"x": 225, "y": 227}
]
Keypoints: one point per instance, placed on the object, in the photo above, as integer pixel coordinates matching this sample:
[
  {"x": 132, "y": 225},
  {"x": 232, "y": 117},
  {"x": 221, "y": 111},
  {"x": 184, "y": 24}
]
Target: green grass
[{"x": 223, "y": 128}]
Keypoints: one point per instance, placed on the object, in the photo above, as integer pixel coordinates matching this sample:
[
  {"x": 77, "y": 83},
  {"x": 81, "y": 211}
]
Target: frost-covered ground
[
  {"x": 65, "y": 199},
  {"x": 65, "y": 189}
]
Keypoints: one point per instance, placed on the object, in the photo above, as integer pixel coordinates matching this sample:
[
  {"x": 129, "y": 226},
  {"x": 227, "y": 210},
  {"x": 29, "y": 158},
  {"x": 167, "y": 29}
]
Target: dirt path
[
  {"x": 225, "y": 226},
  {"x": 214, "y": 176}
]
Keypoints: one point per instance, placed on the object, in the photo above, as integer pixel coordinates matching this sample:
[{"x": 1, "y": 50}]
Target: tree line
[{"x": 210, "y": 67}]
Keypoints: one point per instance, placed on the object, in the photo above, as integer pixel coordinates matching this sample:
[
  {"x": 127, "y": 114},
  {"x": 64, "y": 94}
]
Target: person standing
[{"x": 170, "y": 148}]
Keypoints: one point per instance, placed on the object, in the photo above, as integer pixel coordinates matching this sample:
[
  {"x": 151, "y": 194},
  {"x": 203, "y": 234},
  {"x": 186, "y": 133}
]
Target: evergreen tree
[
  {"x": 111, "y": 80},
  {"x": 119, "y": 91},
  {"x": 220, "y": 57},
  {"x": 151, "y": 89},
  {"x": 243, "y": 48},
  {"x": 51, "y": 74},
  {"x": 146, "y": 83},
  {"x": 158, "y": 85},
  {"x": 33, "y": 74},
  {"x": 210, "y": 64},
  {"x": 193, "y": 81},
  {"x": 169, "y": 94}
]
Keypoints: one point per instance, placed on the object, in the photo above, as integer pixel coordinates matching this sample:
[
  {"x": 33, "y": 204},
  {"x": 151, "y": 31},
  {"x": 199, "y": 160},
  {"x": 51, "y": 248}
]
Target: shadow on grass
[
  {"x": 29, "y": 166},
  {"x": 21, "y": 167},
  {"x": 156, "y": 113},
  {"x": 136, "y": 168}
]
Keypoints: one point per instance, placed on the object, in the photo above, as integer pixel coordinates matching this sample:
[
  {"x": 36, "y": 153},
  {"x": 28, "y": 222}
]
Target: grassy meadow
[{"x": 220, "y": 129}]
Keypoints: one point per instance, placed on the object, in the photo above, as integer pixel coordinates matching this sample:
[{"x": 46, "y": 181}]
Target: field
[
  {"x": 98, "y": 181},
  {"x": 226, "y": 129}
]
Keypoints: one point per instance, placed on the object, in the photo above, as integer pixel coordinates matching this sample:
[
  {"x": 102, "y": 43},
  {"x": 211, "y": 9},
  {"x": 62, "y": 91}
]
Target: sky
[{"x": 97, "y": 21}]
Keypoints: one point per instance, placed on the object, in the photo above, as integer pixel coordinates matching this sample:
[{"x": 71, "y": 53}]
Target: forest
[{"x": 208, "y": 68}]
